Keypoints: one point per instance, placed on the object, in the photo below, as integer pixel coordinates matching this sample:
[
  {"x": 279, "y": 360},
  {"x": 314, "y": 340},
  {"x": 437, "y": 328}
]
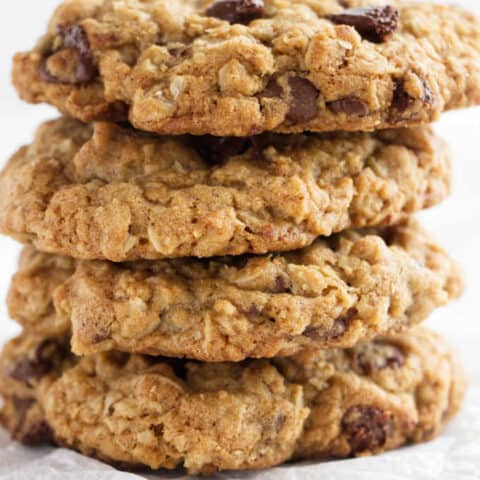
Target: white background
[{"x": 456, "y": 223}]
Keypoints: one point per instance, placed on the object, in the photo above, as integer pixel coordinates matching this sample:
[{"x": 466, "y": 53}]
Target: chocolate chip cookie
[
  {"x": 242, "y": 67},
  {"x": 110, "y": 192},
  {"x": 143, "y": 411},
  {"x": 336, "y": 293}
]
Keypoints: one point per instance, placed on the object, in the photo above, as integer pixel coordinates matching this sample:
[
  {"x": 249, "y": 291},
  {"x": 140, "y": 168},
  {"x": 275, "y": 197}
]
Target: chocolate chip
[
  {"x": 40, "y": 364},
  {"x": 338, "y": 328},
  {"x": 75, "y": 38},
  {"x": 402, "y": 101},
  {"x": 37, "y": 433},
  {"x": 281, "y": 285},
  {"x": 350, "y": 105},
  {"x": 45, "y": 75},
  {"x": 367, "y": 428},
  {"x": 237, "y": 11},
  {"x": 272, "y": 90},
  {"x": 216, "y": 150},
  {"x": 26, "y": 432},
  {"x": 253, "y": 311},
  {"x": 374, "y": 24},
  {"x": 28, "y": 369},
  {"x": 22, "y": 406},
  {"x": 373, "y": 357},
  {"x": 304, "y": 95},
  {"x": 312, "y": 332}
]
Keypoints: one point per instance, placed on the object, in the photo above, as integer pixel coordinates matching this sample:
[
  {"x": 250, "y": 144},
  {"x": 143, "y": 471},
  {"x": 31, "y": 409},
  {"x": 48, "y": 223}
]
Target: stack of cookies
[{"x": 222, "y": 271}]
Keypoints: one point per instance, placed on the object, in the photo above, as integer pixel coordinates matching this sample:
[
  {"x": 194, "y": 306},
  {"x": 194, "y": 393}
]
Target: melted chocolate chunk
[
  {"x": 281, "y": 285},
  {"x": 374, "y": 24},
  {"x": 367, "y": 428},
  {"x": 402, "y": 101},
  {"x": 237, "y": 11},
  {"x": 25, "y": 431},
  {"x": 253, "y": 311},
  {"x": 350, "y": 105},
  {"x": 338, "y": 329},
  {"x": 216, "y": 150},
  {"x": 40, "y": 364},
  {"x": 45, "y": 75},
  {"x": 312, "y": 332},
  {"x": 303, "y": 106},
  {"x": 38, "y": 433},
  {"x": 74, "y": 37},
  {"x": 272, "y": 90},
  {"x": 27, "y": 369},
  {"x": 371, "y": 358}
]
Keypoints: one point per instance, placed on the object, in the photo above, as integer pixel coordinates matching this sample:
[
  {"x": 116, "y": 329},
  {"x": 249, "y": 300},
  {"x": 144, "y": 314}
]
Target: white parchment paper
[{"x": 453, "y": 456}]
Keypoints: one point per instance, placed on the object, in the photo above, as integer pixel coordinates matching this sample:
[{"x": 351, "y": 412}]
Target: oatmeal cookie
[
  {"x": 142, "y": 411},
  {"x": 339, "y": 292},
  {"x": 110, "y": 192},
  {"x": 242, "y": 67}
]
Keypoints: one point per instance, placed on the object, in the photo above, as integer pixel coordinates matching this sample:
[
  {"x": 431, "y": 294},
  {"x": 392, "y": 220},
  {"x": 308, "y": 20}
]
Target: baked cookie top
[
  {"x": 141, "y": 411},
  {"x": 336, "y": 293},
  {"x": 110, "y": 192},
  {"x": 242, "y": 67}
]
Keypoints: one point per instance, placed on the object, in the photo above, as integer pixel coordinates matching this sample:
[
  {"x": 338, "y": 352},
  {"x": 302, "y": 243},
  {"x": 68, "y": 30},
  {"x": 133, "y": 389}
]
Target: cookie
[
  {"x": 114, "y": 193},
  {"x": 242, "y": 67},
  {"x": 339, "y": 292},
  {"x": 141, "y": 411},
  {"x": 28, "y": 363}
]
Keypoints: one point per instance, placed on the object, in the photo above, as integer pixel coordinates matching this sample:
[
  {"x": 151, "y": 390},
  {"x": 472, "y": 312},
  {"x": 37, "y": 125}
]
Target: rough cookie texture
[
  {"x": 336, "y": 293},
  {"x": 207, "y": 417},
  {"x": 28, "y": 364},
  {"x": 30, "y": 299},
  {"x": 244, "y": 67},
  {"x": 114, "y": 193}
]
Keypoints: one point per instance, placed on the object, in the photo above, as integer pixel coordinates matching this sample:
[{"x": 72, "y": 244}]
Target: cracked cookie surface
[
  {"x": 336, "y": 293},
  {"x": 176, "y": 66},
  {"x": 109, "y": 192},
  {"x": 140, "y": 411}
]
